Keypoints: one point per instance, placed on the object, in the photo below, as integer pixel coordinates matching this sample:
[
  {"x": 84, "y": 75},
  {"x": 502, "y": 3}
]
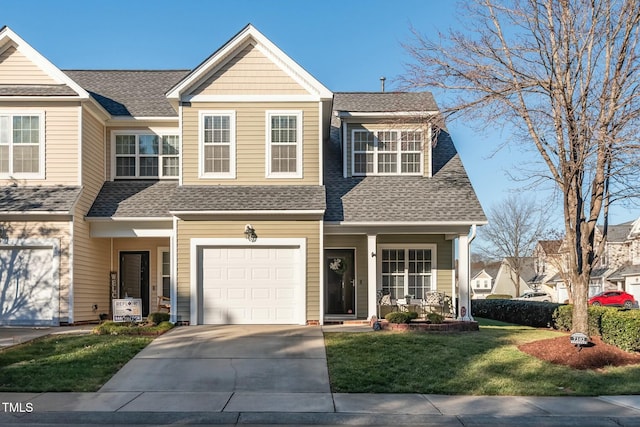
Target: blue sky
[{"x": 346, "y": 44}]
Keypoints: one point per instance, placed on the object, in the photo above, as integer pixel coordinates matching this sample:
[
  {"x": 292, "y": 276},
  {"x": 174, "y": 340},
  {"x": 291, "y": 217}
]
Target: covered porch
[{"x": 370, "y": 270}]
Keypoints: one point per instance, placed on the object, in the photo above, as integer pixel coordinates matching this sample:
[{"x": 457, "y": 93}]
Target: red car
[{"x": 618, "y": 298}]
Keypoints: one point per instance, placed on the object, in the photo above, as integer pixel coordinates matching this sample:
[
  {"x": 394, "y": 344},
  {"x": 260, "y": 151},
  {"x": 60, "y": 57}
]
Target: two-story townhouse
[{"x": 243, "y": 189}]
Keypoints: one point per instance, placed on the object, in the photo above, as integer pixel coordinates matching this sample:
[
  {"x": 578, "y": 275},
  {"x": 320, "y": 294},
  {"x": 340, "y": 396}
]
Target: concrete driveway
[{"x": 255, "y": 359}]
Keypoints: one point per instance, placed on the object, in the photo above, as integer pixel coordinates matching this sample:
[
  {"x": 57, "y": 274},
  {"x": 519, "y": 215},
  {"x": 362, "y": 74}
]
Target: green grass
[
  {"x": 66, "y": 363},
  {"x": 478, "y": 363}
]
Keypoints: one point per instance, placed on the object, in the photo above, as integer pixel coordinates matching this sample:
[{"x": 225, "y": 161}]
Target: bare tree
[
  {"x": 564, "y": 75},
  {"x": 515, "y": 226}
]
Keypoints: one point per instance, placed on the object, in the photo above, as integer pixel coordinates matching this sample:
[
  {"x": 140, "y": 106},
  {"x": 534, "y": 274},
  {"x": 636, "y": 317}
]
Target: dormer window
[{"x": 387, "y": 152}]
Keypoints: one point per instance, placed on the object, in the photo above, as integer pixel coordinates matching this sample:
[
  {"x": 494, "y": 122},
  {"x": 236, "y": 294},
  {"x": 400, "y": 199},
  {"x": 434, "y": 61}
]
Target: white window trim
[
  {"x": 232, "y": 145},
  {"x": 138, "y": 132},
  {"x": 160, "y": 276},
  {"x": 375, "y": 153},
  {"x": 42, "y": 145},
  {"x": 406, "y": 247},
  {"x": 298, "y": 173}
]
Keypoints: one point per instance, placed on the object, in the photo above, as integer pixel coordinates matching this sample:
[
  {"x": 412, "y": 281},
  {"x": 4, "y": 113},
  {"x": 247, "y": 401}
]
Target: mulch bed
[{"x": 599, "y": 355}]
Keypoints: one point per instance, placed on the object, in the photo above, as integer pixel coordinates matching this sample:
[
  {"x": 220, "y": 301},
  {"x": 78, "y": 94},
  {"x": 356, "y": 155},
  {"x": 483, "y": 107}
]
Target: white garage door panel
[
  {"x": 27, "y": 287},
  {"x": 249, "y": 285},
  {"x": 635, "y": 291}
]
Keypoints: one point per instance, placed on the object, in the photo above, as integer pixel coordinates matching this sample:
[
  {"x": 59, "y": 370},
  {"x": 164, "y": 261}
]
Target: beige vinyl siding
[
  {"x": 15, "y": 68},
  {"x": 377, "y": 125},
  {"x": 61, "y": 140},
  {"x": 188, "y": 230},
  {"x": 251, "y": 143},
  {"x": 444, "y": 254},
  {"x": 90, "y": 255},
  {"x": 37, "y": 230},
  {"x": 142, "y": 244},
  {"x": 359, "y": 243},
  {"x": 250, "y": 72}
]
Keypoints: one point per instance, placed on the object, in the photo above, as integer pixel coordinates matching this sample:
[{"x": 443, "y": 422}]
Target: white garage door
[
  {"x": 634, "y": 289},
  {"x": 250, "y": 285},
  {"x": 27, "y": 289}
]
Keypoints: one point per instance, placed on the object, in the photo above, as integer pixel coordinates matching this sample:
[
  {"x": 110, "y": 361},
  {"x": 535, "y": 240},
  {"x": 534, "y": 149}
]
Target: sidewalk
[
  {"x": 242, "y": 408},
  {"x": 206, "y": 404}
]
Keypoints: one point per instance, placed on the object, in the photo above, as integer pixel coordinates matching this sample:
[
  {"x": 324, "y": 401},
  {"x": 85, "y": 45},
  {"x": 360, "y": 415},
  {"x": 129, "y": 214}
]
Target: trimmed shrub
[
  {"x": 114, "y": 328},
  {"x": 412, "y": 315},
  {"x": 158, "y": 317},
  {"x": 563, "y": 318},
  {"x": 499, "y": 296},
  {"x": 621, "y": 328},
  {"x": 398, "y": 317},
  {"x": 435, "y": 318},
  {"x": 528, "y": 313}
]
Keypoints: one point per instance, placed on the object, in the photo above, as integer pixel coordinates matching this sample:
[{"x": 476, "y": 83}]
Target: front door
[
  {"x": 134, "y": 277},
  {"x": 340, "y": 286}
]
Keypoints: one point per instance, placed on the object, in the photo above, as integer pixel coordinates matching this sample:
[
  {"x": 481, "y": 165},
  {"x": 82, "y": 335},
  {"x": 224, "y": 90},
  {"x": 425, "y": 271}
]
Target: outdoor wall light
[
  {"x": 250, "y": 233},
  {"x": 373, "y": 254}
]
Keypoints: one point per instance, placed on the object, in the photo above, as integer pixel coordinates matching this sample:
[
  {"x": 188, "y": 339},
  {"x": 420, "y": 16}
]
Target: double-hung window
[
  {"x": 407, "y": 271},
  {"x": 22, "y": 145},
  {"x": 388, "y": 152},
  {"x": 143, "y": 155},
  {"x": 217, "y": 144},
  {"x": 284, "y": 144}
]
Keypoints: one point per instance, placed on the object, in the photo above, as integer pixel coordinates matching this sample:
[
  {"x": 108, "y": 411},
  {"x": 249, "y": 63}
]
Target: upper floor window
[
  {"x": 284, "y": 144},
  {"x": 143, "y": 155},
  {"x": 22, "y": 145},
  {"x": 217, "y": 144},
  {"x": 388, "y": 152}
]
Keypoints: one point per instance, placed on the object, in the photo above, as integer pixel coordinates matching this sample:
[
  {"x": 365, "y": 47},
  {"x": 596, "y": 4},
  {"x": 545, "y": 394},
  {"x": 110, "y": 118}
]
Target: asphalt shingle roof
[
  {"x": 36, "y": 90},
  {"x": 137, "y": 199},
  {"x": 137, "y": 93},
  {"x": 627, "y": 270},
  {"x": 619, "y": 232},
  {"x": 241, "y": 197},
  {"x": 445, "y": 197},
  {"x": 17, "y": 199},
  {"x": 384, "y": 101}
]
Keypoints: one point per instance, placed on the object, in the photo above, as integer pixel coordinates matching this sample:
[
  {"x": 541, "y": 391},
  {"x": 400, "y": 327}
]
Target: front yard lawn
[
  {"x": 487, "y": 362},
  {"x": 66, "y": 362}
]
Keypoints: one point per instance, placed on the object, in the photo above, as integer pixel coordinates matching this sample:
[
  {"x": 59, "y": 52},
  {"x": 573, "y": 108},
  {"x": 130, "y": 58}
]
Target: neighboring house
[
  {"x": 616, "y": 268},
  {"x": 243, "y": 189},
  {"x": 507, "y": 277},
  {"x": 483, "y": 279}
]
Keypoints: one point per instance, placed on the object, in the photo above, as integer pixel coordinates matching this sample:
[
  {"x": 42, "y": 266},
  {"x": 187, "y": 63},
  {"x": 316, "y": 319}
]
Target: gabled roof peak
[
  {"x": 249, "y": 34},
  {"x": 9, "y": 37}
]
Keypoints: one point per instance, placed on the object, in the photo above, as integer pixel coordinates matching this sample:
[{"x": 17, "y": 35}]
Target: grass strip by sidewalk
[
  {"x": 477, "y": 363},
  {"x": 66, "y": 362}
]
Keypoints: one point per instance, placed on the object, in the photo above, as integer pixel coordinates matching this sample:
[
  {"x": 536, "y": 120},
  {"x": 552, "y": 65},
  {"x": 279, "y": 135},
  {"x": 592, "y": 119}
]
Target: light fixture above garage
[{"x": 250, "y": 233}]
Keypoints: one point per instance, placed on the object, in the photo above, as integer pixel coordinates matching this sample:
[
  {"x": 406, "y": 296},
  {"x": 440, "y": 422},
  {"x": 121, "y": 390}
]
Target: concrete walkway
[{"x": 278, "y": 376}]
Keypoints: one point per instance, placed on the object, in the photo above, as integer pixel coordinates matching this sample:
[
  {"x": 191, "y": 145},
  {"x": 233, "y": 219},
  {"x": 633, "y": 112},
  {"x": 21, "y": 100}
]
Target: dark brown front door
[
  {"x": 340, "y": 290},
  {"x": 134, "y": 277}
]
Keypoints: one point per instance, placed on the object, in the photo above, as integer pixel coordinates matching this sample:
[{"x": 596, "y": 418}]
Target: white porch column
[
  {"x": 464, "y": 291},
  {"x": 372, "y": 275}
]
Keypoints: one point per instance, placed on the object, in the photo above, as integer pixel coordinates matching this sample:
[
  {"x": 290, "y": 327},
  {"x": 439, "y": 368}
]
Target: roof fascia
[
  {"x": 238, "y": 42},
  {"x": 346, "y": 115},
  {"x": 6, "y": 35},
  {"x": 128, "y": 121},
  {"x": 252, "y": 214}
]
